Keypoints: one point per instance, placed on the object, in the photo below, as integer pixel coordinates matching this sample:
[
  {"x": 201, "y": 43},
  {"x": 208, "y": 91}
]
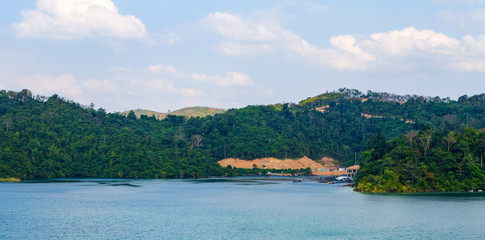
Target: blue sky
[{"x": 165, "y": 55}]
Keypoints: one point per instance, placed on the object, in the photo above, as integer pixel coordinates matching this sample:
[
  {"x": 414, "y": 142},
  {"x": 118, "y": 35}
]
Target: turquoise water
[{"x": 235, "y": 208}]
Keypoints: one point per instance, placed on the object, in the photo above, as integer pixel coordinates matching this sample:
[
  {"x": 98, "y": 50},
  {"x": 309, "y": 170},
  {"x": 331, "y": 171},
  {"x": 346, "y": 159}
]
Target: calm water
[{"x": 238, "y": 208}]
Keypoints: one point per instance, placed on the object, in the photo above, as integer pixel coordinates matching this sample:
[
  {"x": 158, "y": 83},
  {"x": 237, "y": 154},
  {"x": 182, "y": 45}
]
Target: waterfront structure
[{"x": 352, "y": 170}]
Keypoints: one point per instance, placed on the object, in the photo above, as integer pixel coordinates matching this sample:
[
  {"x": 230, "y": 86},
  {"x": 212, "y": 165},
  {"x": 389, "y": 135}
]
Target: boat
[
  {"x": 297, "y": 180},
  {"x": 344, "y": 179}
]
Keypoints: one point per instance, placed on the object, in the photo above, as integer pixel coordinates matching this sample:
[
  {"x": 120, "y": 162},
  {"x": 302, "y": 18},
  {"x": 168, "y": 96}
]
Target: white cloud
[
  {"x": 477, "y": 65},
  {"x": 163, "y": 85},
  {"x": 249, "y": 38},
  {"x": 60, "y": 19},
  {"x": 172, "y": 38},
  {"x": 168, "y": 37},
  {"x": 48, "y": 85},
  {"x": 470, "y": 20},
  {"x": 231, "y": 78},
  {"x": 269, "y": 91},
  {"x": 411, "y": 41},
  {"x": 393, "y": 50},
  {"x": 164, "y": 68},
  {"x": 474, "y": 46},
  {"x": 102, "y": 86},
  {"x": 238, "y": 49},
  {"x": 2, "y": 86},
  {"x": 236, "y": 28},
  {"x": 119, "y": 70}
]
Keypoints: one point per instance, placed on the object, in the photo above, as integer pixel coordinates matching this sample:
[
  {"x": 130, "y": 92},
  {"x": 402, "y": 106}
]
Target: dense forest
[
  {"x": 424, "y": 161},
  {"x": 54, "y": 137}
]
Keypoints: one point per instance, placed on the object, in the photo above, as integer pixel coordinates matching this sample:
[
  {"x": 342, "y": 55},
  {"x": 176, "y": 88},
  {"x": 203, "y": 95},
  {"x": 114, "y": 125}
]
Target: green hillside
[
  {"x": 55, "y": 137},
  {"x": 425, "y": 160}
]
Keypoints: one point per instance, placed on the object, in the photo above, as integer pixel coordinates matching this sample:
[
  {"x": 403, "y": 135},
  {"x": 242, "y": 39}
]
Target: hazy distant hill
[
  {"x": 139, "y": 112},
  {"x": 187, "y": 112},
  {"x": 197, "y": 111}
]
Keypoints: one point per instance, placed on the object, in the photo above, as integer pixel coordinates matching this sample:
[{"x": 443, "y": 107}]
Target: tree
[
  {"x": 378, "y": 146},
  {"x": 131, "y": 115},
  {"x": 8, "y": 123},
  {"x": 480, "y": 149},
  {"x": 179, "y": 137},
  {"x": 197, "y": 140},
  {"x": 441, "y": 170},
  {"x": 411, "y": 137},
  {"x": 450, "y": 140},
  {"x": 424, "y": 140},
  {"x": 25, "y": 94},
  {"x": 93, "y": 143}
]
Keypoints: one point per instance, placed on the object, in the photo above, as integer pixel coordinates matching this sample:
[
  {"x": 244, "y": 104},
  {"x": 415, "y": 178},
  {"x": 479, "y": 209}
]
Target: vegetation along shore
[{"x": 404, "y": 143}]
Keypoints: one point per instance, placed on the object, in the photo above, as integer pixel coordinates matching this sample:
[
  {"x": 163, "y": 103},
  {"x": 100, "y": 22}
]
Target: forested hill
[
  {"x": 186, "y": 112},
  {"x": 423, "y": 161},
  {"x": 54, "y": 137}
]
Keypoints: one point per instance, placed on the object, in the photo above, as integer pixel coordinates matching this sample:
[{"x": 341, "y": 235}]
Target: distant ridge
[
  {"x": 188, "y": 112},
  {"x": 139, "y": 112}
]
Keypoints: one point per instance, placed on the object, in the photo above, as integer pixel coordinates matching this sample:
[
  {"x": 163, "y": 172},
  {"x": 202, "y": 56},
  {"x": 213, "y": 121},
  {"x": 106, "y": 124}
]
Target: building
[{"x": 352, "y": 170}]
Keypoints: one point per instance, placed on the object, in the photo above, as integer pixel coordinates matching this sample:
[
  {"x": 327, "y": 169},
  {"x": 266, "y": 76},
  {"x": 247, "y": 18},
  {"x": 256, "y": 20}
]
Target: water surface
[{"x": 230, "y": 208}]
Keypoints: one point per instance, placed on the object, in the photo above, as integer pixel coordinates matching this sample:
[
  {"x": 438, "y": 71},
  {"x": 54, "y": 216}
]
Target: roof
[{"x": 355, "y": 167}]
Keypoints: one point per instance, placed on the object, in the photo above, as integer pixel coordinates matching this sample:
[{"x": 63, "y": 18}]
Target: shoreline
[{"x": 10, "y": 179}]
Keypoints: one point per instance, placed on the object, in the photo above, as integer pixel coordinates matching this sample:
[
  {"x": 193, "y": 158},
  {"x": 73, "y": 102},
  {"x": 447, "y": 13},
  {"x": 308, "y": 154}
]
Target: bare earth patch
[{"x": 274, "y": 163}]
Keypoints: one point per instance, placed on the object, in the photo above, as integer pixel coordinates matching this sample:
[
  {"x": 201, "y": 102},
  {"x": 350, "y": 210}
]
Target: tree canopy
[
  {"x": 429, "y": 161},
  {"x": 54, "y": 137}
]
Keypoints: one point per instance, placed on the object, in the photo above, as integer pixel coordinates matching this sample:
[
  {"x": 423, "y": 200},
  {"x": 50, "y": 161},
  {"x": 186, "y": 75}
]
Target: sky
[{"x": 166, "y": 55}]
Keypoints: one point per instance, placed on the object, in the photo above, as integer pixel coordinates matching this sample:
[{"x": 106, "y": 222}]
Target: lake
[{"x": 230, "y": 208}]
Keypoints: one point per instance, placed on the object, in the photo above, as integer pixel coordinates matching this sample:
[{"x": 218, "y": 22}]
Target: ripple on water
[{"x": 230, "y": 208}]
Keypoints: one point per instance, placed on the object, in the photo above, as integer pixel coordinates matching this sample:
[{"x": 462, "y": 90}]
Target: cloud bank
[
  {"x": 47, "y": 85},
  {"x": 60, "y": 19},
  {"x": 404, "y": 49},
  {"x": 231, "y": 78},
  {"x": 163, "y": 85},
  {"x": 100, "y": 85}
]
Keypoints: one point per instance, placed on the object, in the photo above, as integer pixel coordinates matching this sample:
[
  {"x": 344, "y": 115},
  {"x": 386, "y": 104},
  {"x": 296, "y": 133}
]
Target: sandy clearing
[{"x": 274, "y": 163}]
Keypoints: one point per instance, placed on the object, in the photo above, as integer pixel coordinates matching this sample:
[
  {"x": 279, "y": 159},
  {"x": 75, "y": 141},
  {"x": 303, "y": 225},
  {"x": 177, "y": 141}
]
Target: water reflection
[
  {"x": 236, "y": 181},
  {"x": 86, "y": 181},
  {"x": 253, "y": 180},
  {"x": 271, "y": 208},
  {"x": 115, "y": 184}
]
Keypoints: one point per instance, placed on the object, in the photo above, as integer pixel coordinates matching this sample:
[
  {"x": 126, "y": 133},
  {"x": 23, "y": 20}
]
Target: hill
[
  {"x": 423, "y": 161},
  {"x": 54, "y": 137},
  {"x": 139, "y": 112},
  {"x": 186, "y": 112},
  {"x": 198, "y": 111}
]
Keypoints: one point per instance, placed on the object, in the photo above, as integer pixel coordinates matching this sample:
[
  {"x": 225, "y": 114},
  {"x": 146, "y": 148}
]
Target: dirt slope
[{"x": 273, "y": 163}]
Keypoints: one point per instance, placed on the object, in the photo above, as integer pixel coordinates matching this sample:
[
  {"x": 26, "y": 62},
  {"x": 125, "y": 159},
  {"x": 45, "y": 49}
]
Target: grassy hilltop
[{"x": 186, "y": 112}]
